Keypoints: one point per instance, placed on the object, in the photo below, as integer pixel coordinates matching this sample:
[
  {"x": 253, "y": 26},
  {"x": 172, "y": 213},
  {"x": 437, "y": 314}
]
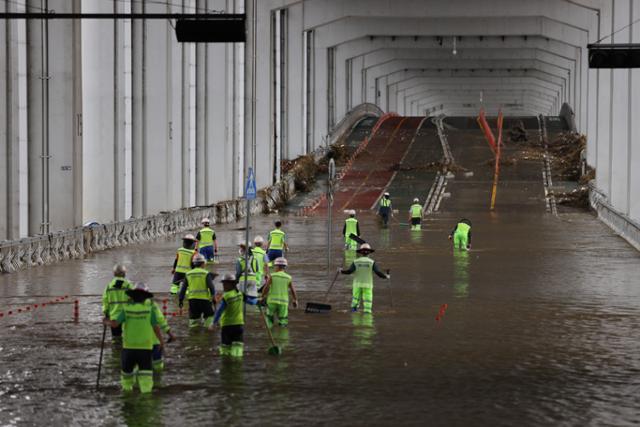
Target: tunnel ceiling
[{"x": 435, "y": 56}]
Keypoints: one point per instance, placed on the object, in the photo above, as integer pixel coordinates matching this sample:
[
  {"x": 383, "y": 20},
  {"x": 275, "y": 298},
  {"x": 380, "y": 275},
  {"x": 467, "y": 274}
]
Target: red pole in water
[
  {"x": 76, "y": 310},
  {"x": 164, "y": 307}
]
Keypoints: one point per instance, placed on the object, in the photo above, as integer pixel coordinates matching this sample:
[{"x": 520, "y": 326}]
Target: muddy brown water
[{"x": 542, "y": 327}]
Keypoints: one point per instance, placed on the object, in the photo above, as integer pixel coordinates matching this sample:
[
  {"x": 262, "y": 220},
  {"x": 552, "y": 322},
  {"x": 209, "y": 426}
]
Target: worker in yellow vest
[
  {"x": 415, "y": 214},
  {"x": 350, "y": 227},
  {"x": 363, "y": 267},
  {"x": 276, "y": 292},
  {"x": 207, "y": 242},
  {"x": 140, "y": 326},
  {"x": 182, "y": 263},
  {"x": 461, "y": 235},
  {"x": 262, "y": 261},
  {"x": 115, "y": 296},
  {"x": 197, "y": 285},
  {"x": 277, "y": 242},
  {"x": 230, "y": 317},
  {"x": 385, "y": 209}
]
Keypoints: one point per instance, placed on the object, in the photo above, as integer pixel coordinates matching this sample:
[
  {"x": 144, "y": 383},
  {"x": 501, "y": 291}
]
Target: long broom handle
[
  {"x": 104, "y": 335},
  {"x": 390, "y": 287},
  {"x": 266, "y": 326},
  {"x": 326, "y": 296}
]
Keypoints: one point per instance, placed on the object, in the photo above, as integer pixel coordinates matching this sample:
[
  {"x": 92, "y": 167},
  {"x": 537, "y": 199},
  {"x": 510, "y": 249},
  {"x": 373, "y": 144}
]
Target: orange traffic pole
[{"x": 496, "y": 170}]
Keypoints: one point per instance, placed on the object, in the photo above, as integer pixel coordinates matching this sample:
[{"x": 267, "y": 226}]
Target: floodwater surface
[{"x": 541, "y": 325}]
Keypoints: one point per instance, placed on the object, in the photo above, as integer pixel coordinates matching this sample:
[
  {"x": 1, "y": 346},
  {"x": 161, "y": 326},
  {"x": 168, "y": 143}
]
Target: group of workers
[{"x": 261, "y": 273}]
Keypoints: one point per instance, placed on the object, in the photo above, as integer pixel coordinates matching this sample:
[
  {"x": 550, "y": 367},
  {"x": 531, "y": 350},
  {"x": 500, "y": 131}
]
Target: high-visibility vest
[
  {"x": 253, "y": 267},
  {"x": 385, "y": 203},
  {"x": 363, "y": 277},
  {"x": 351, "y": 227},
  {"x": 463, "y": 228},
  {"x": 197, "y": 284},
  {"x": 137, "y": 331},
  {"x": 416, "y": 211},
  {"x": 232, "y": 314},
  {"x": 258, "y": 255},
  {"x": 184, "y": 260},
  {"x": 276, "y": 239},
  {"x": 206, "y": 237},
  {"x": 279, "y": 289},
  {"x": 115, "y": 296}
]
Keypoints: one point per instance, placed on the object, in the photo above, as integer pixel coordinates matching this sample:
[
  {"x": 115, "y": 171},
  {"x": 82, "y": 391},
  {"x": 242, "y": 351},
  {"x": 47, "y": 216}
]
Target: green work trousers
[{"x": 364, "y": 295}]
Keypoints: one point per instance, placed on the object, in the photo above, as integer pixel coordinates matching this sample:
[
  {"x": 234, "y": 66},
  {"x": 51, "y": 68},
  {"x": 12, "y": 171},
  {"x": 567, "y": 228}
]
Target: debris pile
[
  {"x": 304, "y": 170},
  {"x": 518, "y": 133},
  {"x": 568, "y": 155}
]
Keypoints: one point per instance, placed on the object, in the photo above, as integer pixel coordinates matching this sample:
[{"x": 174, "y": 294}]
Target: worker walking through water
[
  {"x": 276, "y": 291},
  {"x": 115, "y": 296},
  {"x": 230, "y": 317},
  {"x": 198, "y": 286},
  {"x": 415, "y": 214},
  {"x": 251, "y": 289},
  {"x": 262, "y": 261},
  {"x": 140, "y": 325},
  {"x": 182, "y": 263},
  {"x": 363, "y": 267},
  {"x": 350, "y": 227},
  {"x": 461, "y": 235},
  {"x": 384, "y": 210},
  {"x": 207, "y": 242},
  {"x": 277, "y": 242}
]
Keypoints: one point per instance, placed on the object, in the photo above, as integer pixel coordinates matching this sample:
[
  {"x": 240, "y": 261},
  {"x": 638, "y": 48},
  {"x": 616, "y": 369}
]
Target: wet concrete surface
[{"x": 541, "y": 325}]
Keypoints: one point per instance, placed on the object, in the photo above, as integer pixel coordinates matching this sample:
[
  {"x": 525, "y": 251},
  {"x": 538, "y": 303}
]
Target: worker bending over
[
  {"x": 140, "y": 325},
  {"x": 351, "y": 226},
  {"x": 384, "y": 210},
  {"x": 277, "y": 242},
  {"x": 276, "y": 291},
  {"x": 207, "y": 242},
  {"x": 363, "y": 267},
  {"x": 182, "y": 263},
  {"x": 461, "y": 235},
  {"x": 115, "y": 296},
  {"x": 230, "y": 317},
  {"x": 198, "y": 286},
  {"x": 415, "y": 214}
]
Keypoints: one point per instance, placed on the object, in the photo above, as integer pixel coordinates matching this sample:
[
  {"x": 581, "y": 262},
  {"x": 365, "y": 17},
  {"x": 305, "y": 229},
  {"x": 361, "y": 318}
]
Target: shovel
[{"x": 274, "y": 350}]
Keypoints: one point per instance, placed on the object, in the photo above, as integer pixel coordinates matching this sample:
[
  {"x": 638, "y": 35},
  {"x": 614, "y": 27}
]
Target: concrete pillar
[
  {"x": 604, "y": 106},
  {"x": 138, "y": 136},
  {"x": 102, "y": 145},
  {"x": 295, "y": 141},
  {"x": 201, "y": 117},
  {"x": 55, "y": 121},
  {"x": 634, "y": 131}
]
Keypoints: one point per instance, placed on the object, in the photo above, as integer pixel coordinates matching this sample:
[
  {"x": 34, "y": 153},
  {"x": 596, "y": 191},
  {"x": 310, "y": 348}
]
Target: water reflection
[
  {"x": 416, "y": 236},
  {"x": 460, "y": 273},
  {"x": 349, "y": 257},
  {"x": 363, "y": 329},
  {"x": 385, "y": 238},
  {"x": 233, "y": 382},
  {"x": 142, "y": 409}
]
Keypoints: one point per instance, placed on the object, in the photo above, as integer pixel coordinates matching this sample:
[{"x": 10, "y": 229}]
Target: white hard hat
[
  {"x": 140, "y": 287},
  {"x": 119, "y": 269},
  {"x": 386, "y": 193},
  {"x": 365, "y": 248},
  {"x": 416, "y": 200},
  {"x": 282, "y": 262},
  {"x": 205, "y": 221},
  {"x": 352, "y": 212},
  {"x": 258, "y": 239},
  {"x": 229, "y": 278},
  {"x": 199, "y": 259},
  {"x": 189, "y": 237}
]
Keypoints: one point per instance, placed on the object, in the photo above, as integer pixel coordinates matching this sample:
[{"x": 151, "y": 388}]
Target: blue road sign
[{"x": 250, "y": 188}]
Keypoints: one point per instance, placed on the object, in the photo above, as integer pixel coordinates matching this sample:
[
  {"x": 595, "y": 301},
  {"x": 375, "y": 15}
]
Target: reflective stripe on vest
[
  {"x": 363, "y": 277},
  {"x": 276, "y": 239},
  {"x": 279, "y": 289},
  {"x": 162, "y": 321},
  {"x": 184, "y": 260},
  {"x": 385, "y": 203},
  {"x": 351, "y": 227},
  {"x": 258, "y": 255},
  {"x": 232, "y": 314},
  {"x": 416, "y": 211},
  {"x": 137, "y": 331},
  {"x": 206, "y": 237},
  {"x": 197, "y": 284}
]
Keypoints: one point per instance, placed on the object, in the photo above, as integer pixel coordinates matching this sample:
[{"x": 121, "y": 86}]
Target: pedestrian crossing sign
[{"x": 250, "y": 188}]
